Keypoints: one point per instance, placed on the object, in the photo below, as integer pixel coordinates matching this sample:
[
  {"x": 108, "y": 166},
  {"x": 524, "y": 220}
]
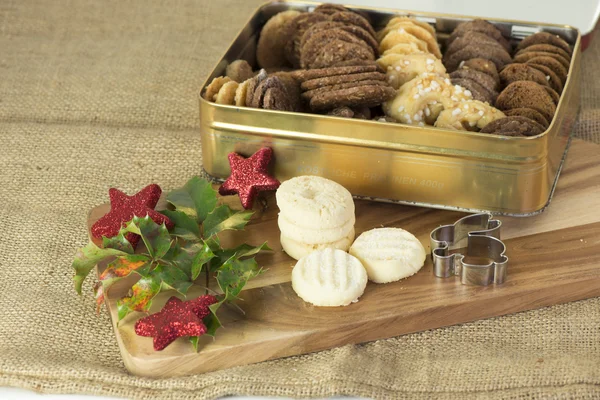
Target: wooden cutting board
[{"x": 554, "y": 258}]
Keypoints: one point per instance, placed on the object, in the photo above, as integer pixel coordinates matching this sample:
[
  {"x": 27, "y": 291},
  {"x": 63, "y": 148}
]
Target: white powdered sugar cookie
[
  {"x": 314, "y": 235},
  {"x": 329, "y": 277},
  {"x": 389, "y": 254},
  {"x": 314, "y": 202},
  {"x": 297, "y": 250}
]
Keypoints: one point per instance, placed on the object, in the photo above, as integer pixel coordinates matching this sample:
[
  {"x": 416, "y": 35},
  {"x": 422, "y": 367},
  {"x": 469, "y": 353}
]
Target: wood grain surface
[{"x": 554, "y": 258}]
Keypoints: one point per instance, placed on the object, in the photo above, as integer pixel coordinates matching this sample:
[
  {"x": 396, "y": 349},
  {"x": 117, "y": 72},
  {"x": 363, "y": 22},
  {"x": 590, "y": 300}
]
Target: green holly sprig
[{"x": 175, "y": 260}]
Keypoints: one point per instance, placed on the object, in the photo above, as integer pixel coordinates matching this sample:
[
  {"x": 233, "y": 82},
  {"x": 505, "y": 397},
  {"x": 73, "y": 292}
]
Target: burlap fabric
[{"x": 99, "y": 94}]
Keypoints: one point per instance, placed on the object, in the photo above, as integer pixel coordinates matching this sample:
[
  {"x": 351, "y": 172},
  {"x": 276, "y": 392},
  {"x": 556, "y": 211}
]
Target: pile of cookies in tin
[{"x": 332, "y": 61}]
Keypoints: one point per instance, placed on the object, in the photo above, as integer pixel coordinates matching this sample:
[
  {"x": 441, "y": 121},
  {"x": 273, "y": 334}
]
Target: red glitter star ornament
[
  {"x": 249, "y": 176},
  {"x": 123, "y": 208},
  {"x": 176, "y": 319}
]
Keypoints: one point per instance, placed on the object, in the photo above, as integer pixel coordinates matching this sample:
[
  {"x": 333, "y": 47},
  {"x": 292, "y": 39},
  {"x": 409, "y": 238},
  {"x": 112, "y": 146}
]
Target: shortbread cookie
[
  {"x": 397, "y": 37},
  {"x": 241, "y": 92},
  {"x": 469, "y": 115},
  {"x": 402, "y": 68},
  {"x": 528, "y": 113},
  {"x": 423, "y": 98},
  {"x": 297, "y": 250},
  {"x": 226, "y": 94},
  {"x": 545, "y": 38},
  {"x": 214, "y": 86},
  {"x": 389, "y": 254},
  {"x": 315, "y": 202},
  {"x": 329, "y": 277},
  {"x": 270, "y": 50},
  {"x": 514, "y": 126},
  {"x": 239, "y": 71},
  {"x": 529, "y": 95},
  {"x": 314, "y": 235},
  {"x": 394, "y": 22}
]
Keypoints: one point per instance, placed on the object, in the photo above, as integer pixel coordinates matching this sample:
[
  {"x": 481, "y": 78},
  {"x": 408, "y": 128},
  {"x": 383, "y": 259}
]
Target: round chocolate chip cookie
[
  {"x": 482, "y": 26},
  {"x": 522, "y": 72},
  {"x": 478, "y": 91},
  {"x": 496, "y": 55},
  {"x": 546, "y": 48},
  {"x": 552, "y": 64},
  {"x": 524, "y": 57},
  {"x": 482, "y": 78},
  {"x": 553, "y": 80},
  {"x": 545, "y": 38},
  {"x": 528, "y": 113},
  {"x": 482, "y": 65}
]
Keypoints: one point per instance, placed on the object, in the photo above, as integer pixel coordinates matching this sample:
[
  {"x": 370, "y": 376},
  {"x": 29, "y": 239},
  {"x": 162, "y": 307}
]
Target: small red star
[
  {"x": 123, "y": 208},
  {"x": 249, "y": 176},
  {"x": 176, "y": 319}
]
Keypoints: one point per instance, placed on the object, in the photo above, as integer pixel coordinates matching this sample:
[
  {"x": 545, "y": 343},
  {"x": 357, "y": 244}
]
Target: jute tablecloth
[{"x": 95, "y": 94}]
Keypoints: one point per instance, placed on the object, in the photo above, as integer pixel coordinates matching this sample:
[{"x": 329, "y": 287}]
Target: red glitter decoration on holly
[
  {"x": 249, "y": 176},
  {"x": 123, "y": 208},
  {"x": 176, "y": 319}
]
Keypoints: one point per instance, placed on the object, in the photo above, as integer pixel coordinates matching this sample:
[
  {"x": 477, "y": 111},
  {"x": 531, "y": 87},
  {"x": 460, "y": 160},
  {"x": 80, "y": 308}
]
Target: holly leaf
[
  {"x": 86, "y": 258},
  {"x": 185, "y": 227},
  {"x": 224, "y": 218},
  {"x": 211, "y": 321},
  {"x": 244, "y": 250},
  {"x": 115, "y": 271},
  {"x": 155, "y": 237},
  {"x": 196, "y": 198},
  {"x": 233, "y": 275},
  {"x": 151, "y": 283},
  {"x": 118, "y": 242},
  {"x": 203, "y": 256}
]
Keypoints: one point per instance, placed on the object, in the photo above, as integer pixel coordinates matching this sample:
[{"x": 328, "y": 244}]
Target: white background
[{"x": 581, "y": 14}]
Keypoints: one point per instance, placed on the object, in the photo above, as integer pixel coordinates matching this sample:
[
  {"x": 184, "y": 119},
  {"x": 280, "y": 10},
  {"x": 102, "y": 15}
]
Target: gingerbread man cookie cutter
[{"x": 481, "y": 234}]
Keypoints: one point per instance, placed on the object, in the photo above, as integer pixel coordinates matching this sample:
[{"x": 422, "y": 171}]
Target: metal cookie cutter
[{"x": 482, "y": 235}]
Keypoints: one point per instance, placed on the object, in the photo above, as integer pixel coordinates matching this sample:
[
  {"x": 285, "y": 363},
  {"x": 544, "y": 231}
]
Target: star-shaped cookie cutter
[{"x": 482, "y": 235}]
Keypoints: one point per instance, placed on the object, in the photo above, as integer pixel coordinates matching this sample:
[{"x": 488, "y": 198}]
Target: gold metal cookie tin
[{"x": 382, "y": 161}]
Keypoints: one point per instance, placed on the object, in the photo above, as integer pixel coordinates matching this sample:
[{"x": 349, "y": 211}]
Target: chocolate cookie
[
  {"x": 337, "y": 79},
  {"x": 552, "y": 79},
  {"x": 304, "y": 75},
  {"x": 498, "y": 56},
  {"x": 294, "y": 30},
  {"x": 343, "y": 111},
  {"x": 357, "y": 31},
  {"x": 483, "y": 79},
  {"x": 239, "y": 71},
  {"x": 470, "y": 38},
  {"x": 545, "y": 38},
  {"x": 352, "y": 18},
  {"x": 355, "y": 63},
  {"x": 514, "y": 126},
  {"x": 555, "y": 96},
  {"x": 338, "y": 51},
  {"x": 482, "y": 65},
  {"x": 477, "y": 91},
  {"x": 482, "y": 26},
  {"x": 545, "y": 48},
  {"x": 521, "y": 72},
  {"x": 315, "y": 45},
  {"x": 528, "y": 113},
  {"x": 277, "y": 99},
  {"x": 292, "y": 88},
  {"x": 309, "y": 94},
  {"x": 329, "y": 8},
  {"x": 552, "y": 64},
  {"x": 366, "y": 96},
  {"x": 252, "y": 84},
  {"x": 526, "y": 94},
  {"x": 270, "y": 49},
  {"x": 261, "y": 89},
  {"x": 524, "y": 57}
]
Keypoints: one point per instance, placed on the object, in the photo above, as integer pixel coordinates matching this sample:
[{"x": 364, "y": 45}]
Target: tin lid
[{"x": 582, "y": 14}]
